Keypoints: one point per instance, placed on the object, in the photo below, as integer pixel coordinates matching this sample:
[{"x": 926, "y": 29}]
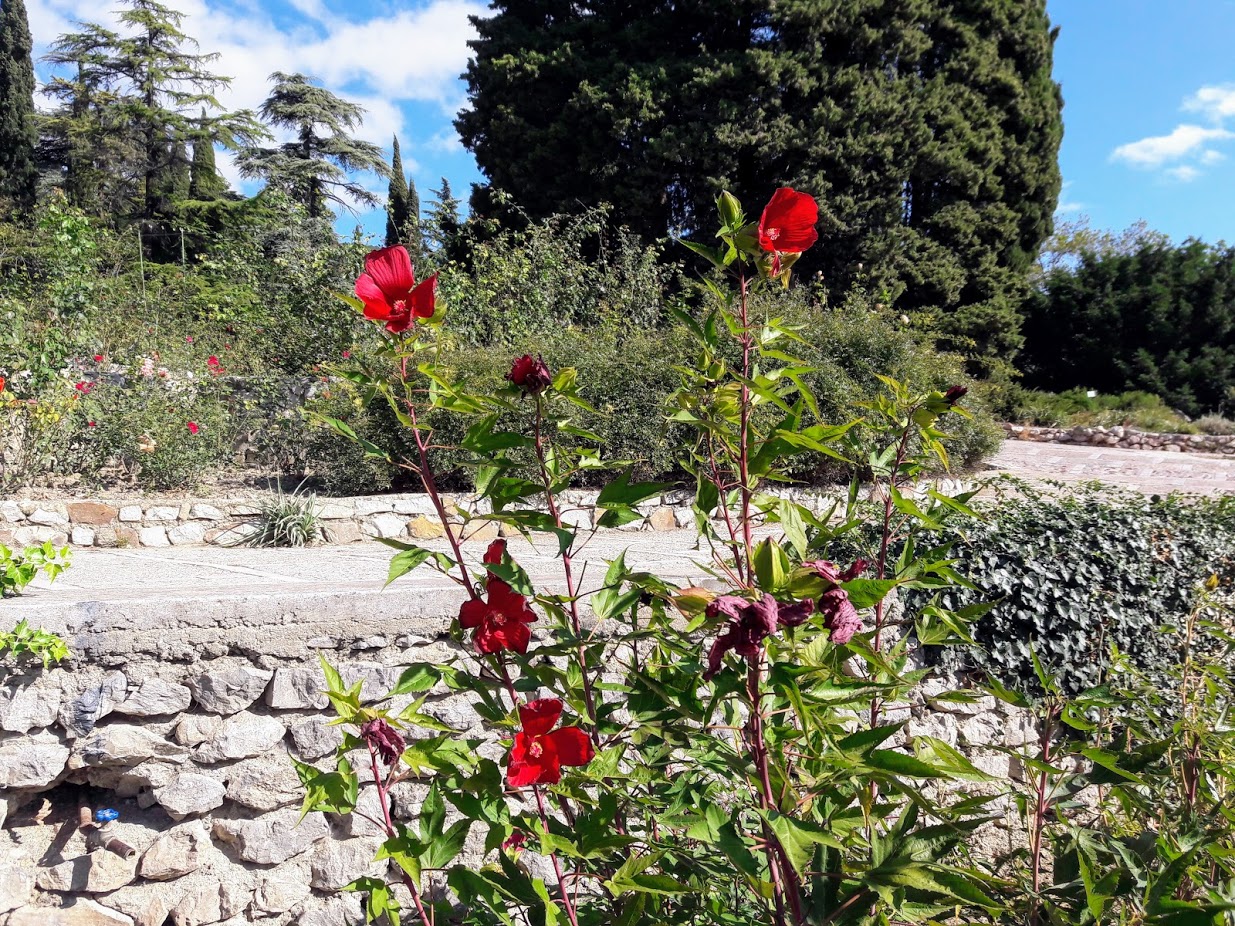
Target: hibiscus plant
[{"x": 732, "y": 752}]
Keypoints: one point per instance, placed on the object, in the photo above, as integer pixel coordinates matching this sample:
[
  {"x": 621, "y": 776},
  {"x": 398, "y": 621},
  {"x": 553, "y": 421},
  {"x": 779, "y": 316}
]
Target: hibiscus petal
[
  {"x": 375, "y": 305},
  {"x": 513, "y": 636},
  {"x": 424, "y": 298},
  {"x": 524, "y": 769},
  {"x": 763, "y": 617},
  {"x": 730, "y": 606},
  {"x": 573, "y": 746},
  {"x": 472, "y": 614},
  {"x": 494, "y": 553},
  {"x": 391, "y": 270},
  {"x": 540, "y": 716},
  {"x": 716, "y": 655},
  {"x": 514, "y": 607},
  {"x": 791, "y": 615}
]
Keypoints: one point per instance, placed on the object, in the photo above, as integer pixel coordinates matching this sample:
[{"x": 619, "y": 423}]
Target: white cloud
[
  {"x": 448, "y": 142},
  {"x": 1217, "y": 102},
  {"x": 1159, "y": 150},
  {"x": 1184, "y": 173},
  {"x": 1067, "y": 205},
  {"x": 1209, "y": 157}
]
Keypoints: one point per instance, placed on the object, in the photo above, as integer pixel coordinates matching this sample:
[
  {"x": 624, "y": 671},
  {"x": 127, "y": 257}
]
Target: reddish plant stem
[
  {"x": 557, "y": 865},
  {"x": 430, "y": 485},
  {"x": 784, "y": 878},
  {"x": 575, "y": 623},
  {"x": 1038, "y": 824},
  {"x": 744, "y": 428},
  {"x": 383, "y": 798},
  {"x": 722, "y": 489}
]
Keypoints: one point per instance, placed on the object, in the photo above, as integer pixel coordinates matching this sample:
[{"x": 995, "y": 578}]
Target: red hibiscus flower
[
  {"x": 538, "y": 754},
  {"x": 530, "y": 374},
  {"x": 787, "y": 225},
  {"x": 2, "y": 383},
  {"x": 389, "y": 290},
  {"x": 84, "y": 387},
  {"x": 750, "y": 622},
  {"x": 193, "y": 428},
  {"x": 213, "y": 361},
  {"x": 501, "y": 621},
  {"x": 98, "y": 358}
]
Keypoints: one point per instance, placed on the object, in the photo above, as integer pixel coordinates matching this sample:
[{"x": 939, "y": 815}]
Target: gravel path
[{"x": 1150, "y": 471}]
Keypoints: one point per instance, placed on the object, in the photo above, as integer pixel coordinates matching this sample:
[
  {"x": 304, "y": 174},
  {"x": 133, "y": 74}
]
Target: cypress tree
[
  {"x": 396, "y": 201},
  {"x": 205, "y": 182},
  {"x": 415, "y": 239},
  {"x": 928, "y": 130},
  {"x": 18, "y": 129}
]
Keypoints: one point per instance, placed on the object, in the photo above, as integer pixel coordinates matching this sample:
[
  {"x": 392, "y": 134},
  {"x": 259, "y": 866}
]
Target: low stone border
[{"x": 1126, "y": 438}]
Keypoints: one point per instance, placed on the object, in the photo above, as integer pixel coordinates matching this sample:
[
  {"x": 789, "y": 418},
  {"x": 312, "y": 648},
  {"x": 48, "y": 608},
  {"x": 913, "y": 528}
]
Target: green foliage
[
  {"x": 929, "y": 132},
  {"x": 313, "y": 168},
  {"x": 1155, "y": 317},
  {"x": 1079, "y": 572},
  {"x": 1076, "y": 408},
  {"x": 18, "y": 122},
  {"x": 18, "y": 568},
  {"x": 283, "y": 521},
  {"x": 402, "y": 224},
  {"x": 205, "y": 183},
  {"x": 24, "y": 642}
]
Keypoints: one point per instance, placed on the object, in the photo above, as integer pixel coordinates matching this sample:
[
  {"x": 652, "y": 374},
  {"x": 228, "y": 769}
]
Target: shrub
[
  {"x": 1076, "y": 408},
  {"x": 283, "y": 521},
  {"x": 1077, "y": 573},
  {"x": 1216, "y": 425}
]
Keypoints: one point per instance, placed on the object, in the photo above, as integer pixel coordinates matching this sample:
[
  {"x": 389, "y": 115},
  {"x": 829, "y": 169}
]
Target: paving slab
[{"x": 1148, "y": 471}]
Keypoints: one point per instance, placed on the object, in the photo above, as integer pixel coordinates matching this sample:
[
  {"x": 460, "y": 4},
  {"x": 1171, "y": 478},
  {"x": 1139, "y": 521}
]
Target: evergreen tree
[
  {"x": 18, "y": 128},
  {"x": 122, "y": 117},
  {"x": 415, "y": 238},
  {"x": 928, "y": 130},
  {"x": 442, "y": 224},
  {"x": 313, "y": 168},
  {"x": 397, "y": 211},
  {"x": 205, "y": 183}
]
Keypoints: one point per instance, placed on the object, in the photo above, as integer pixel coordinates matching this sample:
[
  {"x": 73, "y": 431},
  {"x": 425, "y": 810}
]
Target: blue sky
[{"x": 1149, "y": 88}]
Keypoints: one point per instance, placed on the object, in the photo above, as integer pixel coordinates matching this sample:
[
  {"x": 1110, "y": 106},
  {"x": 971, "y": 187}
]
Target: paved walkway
[{"x": 1151, "y": 471}]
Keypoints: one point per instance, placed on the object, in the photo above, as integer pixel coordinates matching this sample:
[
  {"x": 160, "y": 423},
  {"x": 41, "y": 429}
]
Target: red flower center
[
  {"x": 772, "y": 233},
  {"x": 496, "y": 617},
  {"x": 535, "y": 750}
]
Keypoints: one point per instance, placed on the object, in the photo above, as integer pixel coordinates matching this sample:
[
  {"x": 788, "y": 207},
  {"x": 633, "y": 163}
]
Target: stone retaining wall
[
  {"x": 411, "y": 516},
  {"x": 187, "y": 729},
  {"x": 1127, "y": 438}
]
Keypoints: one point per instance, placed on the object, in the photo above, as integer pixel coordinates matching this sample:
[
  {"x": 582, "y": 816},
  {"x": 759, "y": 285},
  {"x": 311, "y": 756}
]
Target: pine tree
[
  {"x": 205, "y": 183},
  {"x": 18, "y": 127},
  {"x": 397, "y": 214},
  {"x": 928, "y": 130},
  {"x": 313, "y": 168}
]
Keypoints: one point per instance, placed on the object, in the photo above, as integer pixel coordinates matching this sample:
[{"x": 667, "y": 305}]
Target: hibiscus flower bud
[
  {"x": 955, "y": 394},
  {"x": 530, "y": 374},
  {"x": 384, "y": 739}
]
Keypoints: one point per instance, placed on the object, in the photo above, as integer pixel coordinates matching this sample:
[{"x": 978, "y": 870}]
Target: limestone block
[
  {"x": 274, "y": 837},
  {"x": 27, "y": 703},
  {"x": 373, "y": 505},
  {"x": 154, "y": 698},
  {"x": 264, "y": 783},
  {"x": 344, "y": 532},
  {"x": 210, "y": 902},
  {"x": 32, "y": 761},
  {"x": 44, "y": 518},
  {"x": 240, "y": 737},
  {"x": 314, "y": 738},
  {"x": 97, "y": 873},
  {"x": 663, "y": 519},
  {"x": 16, "y": 885},
  {"x": 385, "y": 526},
  {"x": 414, "y": 504},
  {"x": 82, "y": 912},
  {"x": 126, "y": 744},
  {"x": 187, "y": 535},
  {"x": 153, "y": 537},
  {"x": 130, "y": 514},
  {"x": 297, "y": 688},
  {"x": 195, "y": 729},
  {"x": 189, "y": 794},
  {"x": 82, "y": 537},
  {"x": 174, "y": 854},
  {"x": 203, "y": 512},
  {"x": 423, "y": 528},
  {"x": 80, "y": 715},
  {"x": 163, "y": 513},
  {"x": 334, "y": 864},
  {"x": 229, "y": 691}
]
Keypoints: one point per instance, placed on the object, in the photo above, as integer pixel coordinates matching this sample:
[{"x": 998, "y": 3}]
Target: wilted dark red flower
[
  {"x": 390, "y": 292},
  {"x": 540, "y": 751},
  {"x": 385, "y": 739},
  {"x": 955, "y": 394},
  {"x": 514, "y": 842},
  {"x": 750, "y": 622},
  {"x": 840, "y": 616},
  {"x": 501, "y": 621},
  {"x": 787, "y": 225},
  {"x": 530, "y": 374}
]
